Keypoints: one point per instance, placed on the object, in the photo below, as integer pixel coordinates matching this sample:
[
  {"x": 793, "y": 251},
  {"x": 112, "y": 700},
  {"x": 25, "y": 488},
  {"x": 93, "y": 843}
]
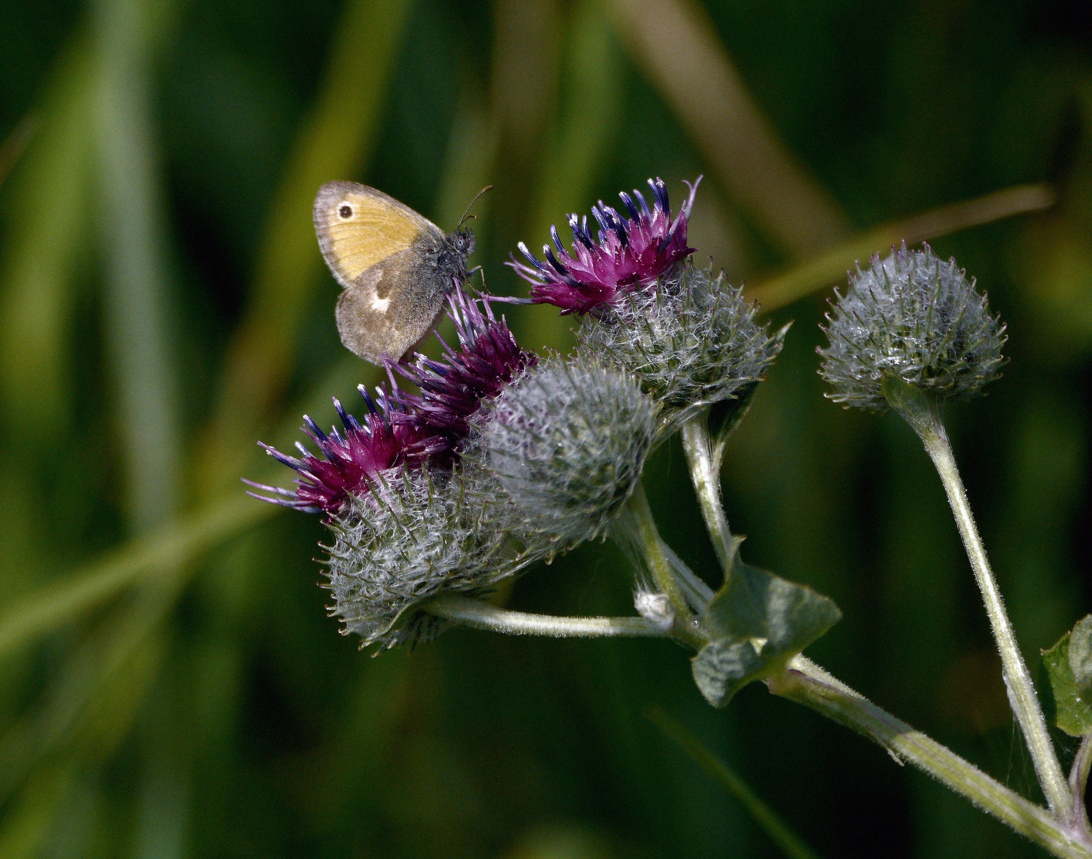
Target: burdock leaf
[
  {"x": 1068, "y": 669},
  {"x": 757, "y": 622}
]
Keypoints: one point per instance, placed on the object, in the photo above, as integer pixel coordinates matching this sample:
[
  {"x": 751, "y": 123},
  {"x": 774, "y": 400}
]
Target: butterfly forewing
[{"x": 358, "y": 226}]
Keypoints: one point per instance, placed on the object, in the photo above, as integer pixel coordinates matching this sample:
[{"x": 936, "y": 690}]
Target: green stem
[
  {"x": 921, "y": 412},
  {"x": 1078, "y": 775},
  {"x": 634, "y": 529},
  {"x": 706, "y": 480},
  {"x": 806, "y": 683},
  {"x": 637, "y": 520},
  {"x": 483, "y": 615}
]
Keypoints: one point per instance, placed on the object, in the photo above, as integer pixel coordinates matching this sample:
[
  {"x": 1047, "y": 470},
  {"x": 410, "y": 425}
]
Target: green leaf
[
  {"x": 1068, "y": 668},
  {"x": 757, "y": 622},
  {"x": 1080, "y": 657}
]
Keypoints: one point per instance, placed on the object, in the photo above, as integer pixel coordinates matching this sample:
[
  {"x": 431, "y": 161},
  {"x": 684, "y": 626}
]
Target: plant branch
[
  {"x": 806, "y": 683},
  {"x": 921, "y": 412},
  {"x": 706, "y": 480},
  {"x": 482, "y": 615}
]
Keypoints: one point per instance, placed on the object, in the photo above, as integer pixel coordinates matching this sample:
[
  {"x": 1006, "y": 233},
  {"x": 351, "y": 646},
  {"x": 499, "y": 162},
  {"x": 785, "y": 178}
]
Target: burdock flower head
[
  {"x": 687, "y": 336},
  {"x": 630, "y": 253},
  {"x": 566, "y": 445},
  {"x": 453, "y": 389},
  {"x": 692, "y": 343},
  {"x": 395, "y": 492},
  {"x": 416, "y": 535},
  {"x": 910, "y": 318}
]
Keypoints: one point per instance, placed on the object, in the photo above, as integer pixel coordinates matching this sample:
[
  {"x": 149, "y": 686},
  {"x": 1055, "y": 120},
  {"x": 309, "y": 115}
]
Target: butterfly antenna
[{"x": 467, "y": 214}]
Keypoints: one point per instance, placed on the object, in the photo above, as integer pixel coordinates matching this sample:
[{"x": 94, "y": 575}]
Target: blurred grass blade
[
  {"x": 154, "y": 554},
  {"x": 769, "y": 822},
  {"x": 334, "y": 142},
  {"x": 138, "y": 326},
  {"x": 677, "y": 45},
  {"x": 16, "y": 143},
  {"x": 46, "y": 248},
  {"x": 529, "y": 49},
  {"x": 40, "y": 812},
  {"x": 592, "y": 98},
  {"x": 468, "y": 161},
  {"x": 587, "y": 110},
  {"x": 90, "y": 702},
  {"x": 832, "y": 265},
  {"x": 37, "y": 806}
]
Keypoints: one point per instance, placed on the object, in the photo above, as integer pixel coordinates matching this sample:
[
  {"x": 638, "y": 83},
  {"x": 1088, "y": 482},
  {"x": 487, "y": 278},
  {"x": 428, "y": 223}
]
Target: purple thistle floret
[
  {"x": 631, "y": 252},
  {"x": 347, "y": 461},
  {"x": 404, "y": 430},
  {"x": 452, "y": 390}
]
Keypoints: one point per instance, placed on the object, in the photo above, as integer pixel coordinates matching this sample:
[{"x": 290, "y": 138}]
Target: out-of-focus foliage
[{"x": 171, "y": 683}]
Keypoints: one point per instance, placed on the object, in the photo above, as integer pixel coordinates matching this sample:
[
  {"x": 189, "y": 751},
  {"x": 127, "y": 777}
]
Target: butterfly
[{"x": 396, "y": 268}]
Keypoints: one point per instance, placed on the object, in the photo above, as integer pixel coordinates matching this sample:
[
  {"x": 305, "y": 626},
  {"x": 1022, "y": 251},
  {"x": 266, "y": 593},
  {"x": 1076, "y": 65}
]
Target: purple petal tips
[
  {"x": 402, "y": 430},
  {"x": 629, "y": 254}
]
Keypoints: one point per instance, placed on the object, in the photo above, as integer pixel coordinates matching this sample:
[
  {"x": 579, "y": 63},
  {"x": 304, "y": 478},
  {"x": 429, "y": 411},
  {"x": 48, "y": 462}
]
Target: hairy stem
[
  {"x": 706, "y": 480},
  {"x": 483, "y": 615},
  {"x": 805, "y": 682},
  {"x": 921, "y": 412}
]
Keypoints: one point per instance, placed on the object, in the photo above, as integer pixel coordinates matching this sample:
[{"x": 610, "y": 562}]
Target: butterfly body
[{"x": 396, "y": 268}]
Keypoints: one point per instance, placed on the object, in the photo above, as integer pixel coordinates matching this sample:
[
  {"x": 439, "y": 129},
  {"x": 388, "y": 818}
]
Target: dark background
[{"x": 170, "y": 683}]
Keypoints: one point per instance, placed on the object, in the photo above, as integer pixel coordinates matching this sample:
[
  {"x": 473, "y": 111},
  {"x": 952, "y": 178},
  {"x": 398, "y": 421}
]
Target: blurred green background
[{"x": 171, "y": 684}]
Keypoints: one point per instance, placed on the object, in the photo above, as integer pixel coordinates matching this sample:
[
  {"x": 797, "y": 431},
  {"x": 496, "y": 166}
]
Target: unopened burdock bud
[
  {"x": 566, "y": 443},
  {"x": 913, "y": 319},
  {"x": 415, "y": 535},
  {"x": 690, "y": 342}
]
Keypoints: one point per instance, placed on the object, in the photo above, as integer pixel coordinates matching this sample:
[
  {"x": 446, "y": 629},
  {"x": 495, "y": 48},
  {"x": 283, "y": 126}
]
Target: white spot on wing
[{"x": 380, "y": 304}]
